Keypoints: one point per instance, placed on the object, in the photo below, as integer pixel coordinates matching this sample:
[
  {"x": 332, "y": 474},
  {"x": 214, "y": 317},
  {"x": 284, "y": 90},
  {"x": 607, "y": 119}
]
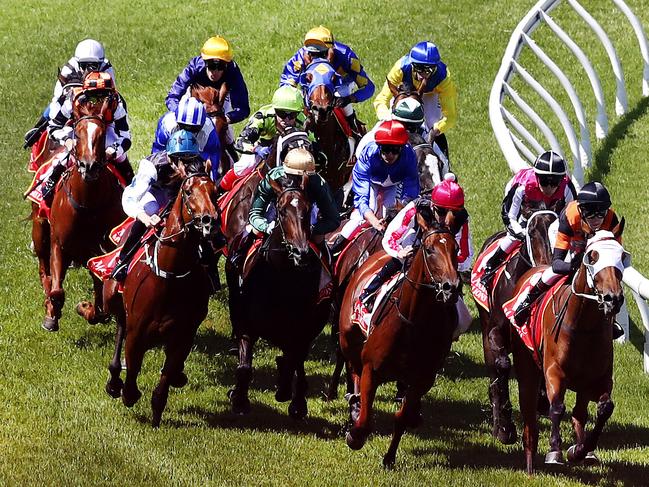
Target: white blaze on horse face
[
  {"x": 91, "y": 128},
  {"x": 295, "y": 202}
]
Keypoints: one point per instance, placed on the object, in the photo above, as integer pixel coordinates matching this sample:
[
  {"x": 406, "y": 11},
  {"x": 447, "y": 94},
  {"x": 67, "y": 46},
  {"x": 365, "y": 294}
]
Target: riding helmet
[
  {"x": 288, "y": 98},
  {"x": 448, "y": 194},
  {"x": 425, "y": 53},
  {"x": 318, "y": 39},
  {"x": 595, "y": 196},
  {"x": 217, "y": 48},
  {"x": 191, "y": 111},
  {"x": 298, "y": 162},
  {"x": 550, "y": 163},
  {"x": 182, "y": 143},
  {"x": 391, "y": 132},
  {"x": 89, "y": 51},
  {"x": 408, "y": 111}
]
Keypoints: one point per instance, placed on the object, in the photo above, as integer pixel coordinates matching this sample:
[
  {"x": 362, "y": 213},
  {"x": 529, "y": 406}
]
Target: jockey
[
  {"x": 325, "y": 216},
  {"x": 88, "y": 56},
  {"x": 402, "y": 234},
  {"x": 547, "y": 182},
  {"x": 356, "y": 85},
  {"x": 190, "y": 115},
  {"x": 580, "y": 219},
  {"x": 214, "y": 67},
  {"x": 423, "y": 65},
  {"x": 285, "y": 110},
  {"x": 379, "y": 169},
  {"x": 156, "y": 184},
  {"x": 97, "y": 86}
]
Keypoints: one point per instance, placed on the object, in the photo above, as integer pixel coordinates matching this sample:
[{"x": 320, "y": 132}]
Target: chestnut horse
[
  {"x": 213, "y": 100},
  {"x": 496, "y": 330},
  {"x": 165, "y": 296},
  {"x": 319, "y": 81},
  {"x": 85, "y": 207},
  {"x": 279, "y": 300},
  {"x": 410, "y": 335},
  {"x": 577, "y": 351}
]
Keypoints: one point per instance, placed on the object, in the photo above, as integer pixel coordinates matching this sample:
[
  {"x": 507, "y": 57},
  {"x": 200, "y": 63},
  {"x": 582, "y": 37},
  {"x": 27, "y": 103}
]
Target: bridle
[
  {"x": 79, "y": 163},
  {"x": 293, "y": 251}
]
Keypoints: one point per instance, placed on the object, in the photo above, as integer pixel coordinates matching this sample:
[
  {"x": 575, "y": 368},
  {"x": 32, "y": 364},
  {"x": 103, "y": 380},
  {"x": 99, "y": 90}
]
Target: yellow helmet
[
  {"x": 217, "y": 48},
  {"x": 298, "y": 162},
  {"x": 319, "y": 37}
]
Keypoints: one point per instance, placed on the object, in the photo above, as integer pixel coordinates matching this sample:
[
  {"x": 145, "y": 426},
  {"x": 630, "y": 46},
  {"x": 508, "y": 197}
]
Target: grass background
[{"x": 57, "y": 425}]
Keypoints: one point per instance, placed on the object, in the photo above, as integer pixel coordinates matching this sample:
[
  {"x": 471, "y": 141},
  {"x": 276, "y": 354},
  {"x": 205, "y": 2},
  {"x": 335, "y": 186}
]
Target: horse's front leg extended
[
  {"x": 409, "y": 415},
  {"x": 239, "y": 394},
  {"x": 115, "y": 384},
  {"x": 298, "y": 408},
  {"x": 361, "y": 428},
  {"x": 56, "y": 298},
  {"x": 94, "y": 312},
  {"x": 605, "y": 407}
]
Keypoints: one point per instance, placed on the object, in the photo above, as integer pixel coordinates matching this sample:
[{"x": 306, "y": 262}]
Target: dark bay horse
[
  {"x": 165, "y": 296},
  {"x": 278, "y": 300},
  {"x": 496, "y": 330},
  {"x": 410, "y": 335},
  {"x": 577, "y": 351},
  {"x": 319, "y": 81},
  {"x": 85, "y": 207}
]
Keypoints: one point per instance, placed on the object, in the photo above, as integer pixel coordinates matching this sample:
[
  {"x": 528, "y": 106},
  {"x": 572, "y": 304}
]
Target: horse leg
[
  {"x": 134, "y": 354},
  {"x": 332, "y": 390},
  {"x": 115, "y": 384},
  {"x": 409, "y": 415},
  {"x": 239, "y": 393},
  {"x": 94, "y": 313},
  {"x": 579, "y": 420},
  {"x": 499, "y": 366},
  {"x": 56, "y": 297},
  {"x": 285, "y": 372},
  {"x": 557, "y": 410},
  {"x": 605, "y": 406},
  {"x": 359, "y": 432},
  {"x": 41, "y": 241},
  {"x": 529, "y": 381},
  {"x": 298, "y": 408}
]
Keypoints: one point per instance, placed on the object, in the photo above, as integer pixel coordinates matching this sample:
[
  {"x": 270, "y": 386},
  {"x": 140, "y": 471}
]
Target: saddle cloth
[
  {"x": 531, "y": 332},
  {"x": 362, "y": 228},
  {"x": 37, "y": 152},
  {"x": 480, "y": 293},
  {"x": 363, "y": 319},
  {"x": 225, "y": 199}
]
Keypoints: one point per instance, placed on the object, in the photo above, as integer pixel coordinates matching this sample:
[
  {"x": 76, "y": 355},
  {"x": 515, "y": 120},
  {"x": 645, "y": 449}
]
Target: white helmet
[{"x": 89, "y": 51}]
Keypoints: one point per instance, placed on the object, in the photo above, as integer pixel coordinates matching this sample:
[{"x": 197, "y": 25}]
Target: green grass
[{"x": 58, "y": 426}]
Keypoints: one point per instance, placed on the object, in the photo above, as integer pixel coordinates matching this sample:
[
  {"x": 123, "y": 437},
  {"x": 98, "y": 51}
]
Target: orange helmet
[{"x": 98, "y": 80}]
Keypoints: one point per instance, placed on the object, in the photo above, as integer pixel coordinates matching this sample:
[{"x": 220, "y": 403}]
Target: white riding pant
[{"x": 382, "y": 198}]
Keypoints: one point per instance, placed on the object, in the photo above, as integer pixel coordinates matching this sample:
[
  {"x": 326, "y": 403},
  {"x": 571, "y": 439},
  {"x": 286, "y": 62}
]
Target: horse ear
[
  {"x": 593, "y": 256},
  {"x": 305, "y": 182},
  {"x": 422, "y": 222},
  {"x": 275, "y": 185},
  {"x": 307, "y": 78},
  {"x": 619, "y": 228}
]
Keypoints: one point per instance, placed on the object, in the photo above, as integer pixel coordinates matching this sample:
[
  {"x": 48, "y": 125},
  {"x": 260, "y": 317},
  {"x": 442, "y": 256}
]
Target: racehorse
[
  {"x": 85, "y": 207},
  {"x": 495, "y": 325},
  {"x": 410, "y": 333},
  {"x": 577, "y": 350},
  {"x": 165, "y": 295},
  {"x": 319, "y": 82},
  {"x": 213, "y": 100},
  {"x": 278, "y": 299}
]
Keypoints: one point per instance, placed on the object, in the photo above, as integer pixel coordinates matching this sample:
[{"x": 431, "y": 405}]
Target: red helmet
[
  {"x": 448, "y": 194},
  {"x": 391, "y": 132}
]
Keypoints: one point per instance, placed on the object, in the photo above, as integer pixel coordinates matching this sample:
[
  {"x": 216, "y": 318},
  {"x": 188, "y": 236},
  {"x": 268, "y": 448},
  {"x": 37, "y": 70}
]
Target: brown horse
[
  {"x": 279, "y": 300},
  {"x": 328, "y": 133},
  {"x": 577, "y": 351},
  {"x": 495, "y": 325},
  {"x": 85, "y": 207},
  {"x": 213, "y": 100},
  {"x": 410, "y": 334},
  {"x": 165, "y": 296}
]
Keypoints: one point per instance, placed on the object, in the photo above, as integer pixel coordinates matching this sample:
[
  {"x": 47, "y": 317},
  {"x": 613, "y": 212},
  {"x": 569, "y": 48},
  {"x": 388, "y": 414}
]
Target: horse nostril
[
  {"x": 446, "y": 286},
  {"x": 608, "y": 298},
  {"x": 206, "y": 220}
]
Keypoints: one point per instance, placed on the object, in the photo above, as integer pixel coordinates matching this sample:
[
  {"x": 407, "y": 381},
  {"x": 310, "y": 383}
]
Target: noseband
[
  {"x": 291, "y": 249},
  {"x": 440, "y": 290}
]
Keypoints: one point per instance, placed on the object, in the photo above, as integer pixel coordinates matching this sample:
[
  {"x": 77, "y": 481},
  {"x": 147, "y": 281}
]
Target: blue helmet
[
  {"x": 191, "y": 111},
  {"x": 182, "y": 143},
  {"x": 425, "y": 53}
]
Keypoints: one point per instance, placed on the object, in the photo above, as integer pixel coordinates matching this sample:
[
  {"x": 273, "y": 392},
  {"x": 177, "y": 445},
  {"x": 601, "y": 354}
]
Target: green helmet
[
  {"x": 408, "y": 111},
  {"x": 288, "y": 99}
]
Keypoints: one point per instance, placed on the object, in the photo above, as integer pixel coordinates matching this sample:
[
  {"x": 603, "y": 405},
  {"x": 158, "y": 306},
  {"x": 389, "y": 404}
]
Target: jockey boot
[
  {"x": 227, "y": 181},
  {"x": 368, "y": 296},
  {"x": 492, "y": 264},
  {"x": 358, "y": 127},
  {"x": 50, "y": 184},
  {"x": 32, "y": 135},
  {"x": 128, "y": 250},
  {"x": 239, "y": 255},
  {"x": 125, "y": 170},
  {"x": 522, "y": 312},
  {"x": 210, "y": 262},
  {"x": 618, "y": 331},
  {"x": 339, "y": 244}
]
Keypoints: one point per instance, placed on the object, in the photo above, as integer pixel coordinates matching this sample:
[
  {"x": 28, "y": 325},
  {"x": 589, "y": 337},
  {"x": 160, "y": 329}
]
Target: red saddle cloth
[
  {"x": 531, "y": 332},
  {"x": 360, "y": 316},
  {"x": 480, "y": 293},
  {"x": 362, "y": 228},
  {"x": 225, "y": 199},
  {"x": 37, "y": 152}
]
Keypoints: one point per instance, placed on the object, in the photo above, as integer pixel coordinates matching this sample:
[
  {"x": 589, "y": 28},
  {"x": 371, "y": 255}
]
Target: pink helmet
[
  {"x": 448, "y": 194},
  {"x": 391, "y": 132}
]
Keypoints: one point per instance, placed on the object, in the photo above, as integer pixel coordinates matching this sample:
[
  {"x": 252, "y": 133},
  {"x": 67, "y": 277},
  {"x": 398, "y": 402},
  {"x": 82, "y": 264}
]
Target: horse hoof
[
  {"x": 591, "y": 459},
  {"x": 114, "y": 388},
  {"x": 283, "y": 394},
  {"x": 388, "y": 462},
  {"x": 354, "y": 443},
  {"x": 298, "y": 409},
  {"x": 180, "y": 380},
  {"x": 576, "y": 454},
  {"x": 554, "y": 458},
  {"x": 128, "y": 400},
  {"x": 50, "y": 324},
  {"x": 507, "y": 434}
]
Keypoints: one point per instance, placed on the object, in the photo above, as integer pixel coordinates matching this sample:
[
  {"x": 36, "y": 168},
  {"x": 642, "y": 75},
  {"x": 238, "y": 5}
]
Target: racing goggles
[
  {"x": 442, "y": 212},
  {"x": 425, "y": 69},
  {"x": 390, "y": 149},
  {"x": 89, "y": 66},
  {"x": 546, "y": 180},
  {"x": 593, "y": 212},
  {"x": 286, "y": 115},
  {"x": 216, "y": 65}
]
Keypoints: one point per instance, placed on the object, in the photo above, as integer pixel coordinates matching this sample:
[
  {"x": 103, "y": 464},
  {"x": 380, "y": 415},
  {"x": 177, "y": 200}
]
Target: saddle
[{"x": 359, "y": 315}]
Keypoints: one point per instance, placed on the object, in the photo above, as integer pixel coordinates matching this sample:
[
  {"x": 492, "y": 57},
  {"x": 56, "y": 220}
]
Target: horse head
[
  {"x": 319, "y": 82},
  {"x": 402, "y": 91},
  {"x": 199, "y": 202},
  {"x": 294, "y": 217},
  {"x": 538, "y": 246},
  {"x": 436, "y": 260},
  {"x": 90, "y": 144},
  {"x": 213, "y": 99},
  {"x": 603, "y": 266}
]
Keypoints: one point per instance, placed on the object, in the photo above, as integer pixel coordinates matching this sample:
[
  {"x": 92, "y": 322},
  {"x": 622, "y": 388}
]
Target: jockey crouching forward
[
  {"x": 382, "y": 165},
  {"x": 190, "y": 115},
  {"x": 402, "y": 237},
  {"x": 356, "y": 86},
  {"x": 548, "y": 183},
  {"x": 285, "y": 111},
  {"x": 324, "y": 216},
  {"x": 97, "y": 87},
  {"x": 577, "y": 222},
  {"x": 156, "y": 184}
]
